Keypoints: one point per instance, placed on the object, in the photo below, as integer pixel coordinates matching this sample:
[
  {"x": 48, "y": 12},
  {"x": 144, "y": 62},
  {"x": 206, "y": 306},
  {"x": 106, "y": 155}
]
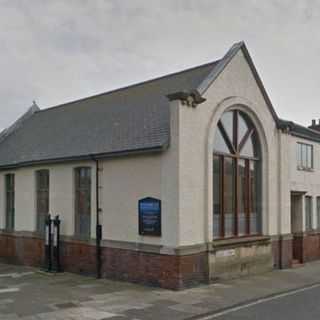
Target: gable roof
[
  {"x": 122, "y": 121},
  {"x": 128, "y": 120}
]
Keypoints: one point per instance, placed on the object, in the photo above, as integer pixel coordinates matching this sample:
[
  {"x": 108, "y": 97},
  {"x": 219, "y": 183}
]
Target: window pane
[
  {"x": 242, "y": 196},
  {"x": 309, "y": 156},
  {"x": 10, "y": 201},
  {"x": 42, "y": 178},
  {"x": 229, "y": 196},
  {"x": 227, "y": 122},
  {"x": 308, "y": 213},
  {"x": 242, "y": 127},
  {"x": 248, "y": 148},
  {"x": 83, "y": 202},
  {"x": 255, "y": 210},
  {"x": 299, "y": 156},
  {"x": 304, "y": 155},
  {"x": 219, "y": 143},
  {"x": 216, "y": 196}
]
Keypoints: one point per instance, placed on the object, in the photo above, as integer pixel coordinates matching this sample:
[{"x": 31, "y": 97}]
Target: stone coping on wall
[
  {"x": 306, "y": 233},
  {"x": 125, "y": 245},
  {"x": 277, "y": 237},
  {"x": 238, "y": 242}
]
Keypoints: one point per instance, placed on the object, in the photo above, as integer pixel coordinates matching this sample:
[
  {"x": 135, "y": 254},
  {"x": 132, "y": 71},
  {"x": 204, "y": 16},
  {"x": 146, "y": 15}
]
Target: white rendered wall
[
  {"x": 61, "y": 196},
  {"x": 305, "y": 181},
  {"x": 235, "y": 85}
]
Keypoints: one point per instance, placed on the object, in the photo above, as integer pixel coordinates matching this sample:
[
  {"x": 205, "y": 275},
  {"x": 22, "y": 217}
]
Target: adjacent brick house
[{"x": 238, "y": 186}]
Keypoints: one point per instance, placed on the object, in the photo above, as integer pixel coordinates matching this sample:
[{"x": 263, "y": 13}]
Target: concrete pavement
[{"x": 29, "y": 295}]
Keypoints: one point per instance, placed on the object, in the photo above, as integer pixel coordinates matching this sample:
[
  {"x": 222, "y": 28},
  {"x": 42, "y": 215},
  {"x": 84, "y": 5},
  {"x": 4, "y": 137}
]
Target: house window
[
  {"x": 83, "y": 202},
  {"x": 236, "y": 177},
  {"x": 42, "y": 192},
  {"x": 304, "y": 156},
  {"x": 308, "y": 213},
  {"x": 10, "y": 205}
]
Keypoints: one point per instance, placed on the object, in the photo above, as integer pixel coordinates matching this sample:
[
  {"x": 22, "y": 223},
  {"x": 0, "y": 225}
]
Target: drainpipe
[{"x": 98, "y": 225}]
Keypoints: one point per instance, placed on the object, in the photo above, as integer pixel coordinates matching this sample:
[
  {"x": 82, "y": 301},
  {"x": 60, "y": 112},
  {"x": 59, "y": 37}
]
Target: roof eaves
[
  {"x": 299, "y": 130},
  {"x": 85, "y": 157},
  {"x": 305, "y": 136}
]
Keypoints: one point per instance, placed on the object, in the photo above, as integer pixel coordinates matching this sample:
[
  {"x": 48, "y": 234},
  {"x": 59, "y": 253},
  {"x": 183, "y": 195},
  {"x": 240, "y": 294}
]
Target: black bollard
[
  {"x": 98, "y": 249},
  {"x": 56, "y": 244},
  {"x": 48, "y": 244}
]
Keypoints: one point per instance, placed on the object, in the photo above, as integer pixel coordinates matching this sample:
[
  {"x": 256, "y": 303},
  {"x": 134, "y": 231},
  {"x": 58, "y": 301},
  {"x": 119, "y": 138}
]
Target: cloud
[{"x": 56, "y": 51}]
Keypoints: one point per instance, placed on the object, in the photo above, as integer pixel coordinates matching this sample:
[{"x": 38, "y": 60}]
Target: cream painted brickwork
[
  {"x": 304, "y": 181},
  {"x": 236, "y": 85},
  {"x": 61, "y": 196},
  {"x": 124, "y": 181}
]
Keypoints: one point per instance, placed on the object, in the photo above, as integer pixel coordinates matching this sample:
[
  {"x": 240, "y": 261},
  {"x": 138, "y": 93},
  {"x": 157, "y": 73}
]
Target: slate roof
[
  {"x": 131, "y": 119},
  {"x": 123, "y": 121}
]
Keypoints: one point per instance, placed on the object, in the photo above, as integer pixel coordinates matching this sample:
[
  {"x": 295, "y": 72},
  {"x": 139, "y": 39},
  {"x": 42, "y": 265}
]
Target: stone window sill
[
  {"x": 237, "y": 242},
  {"x": 305, "y": 169}
]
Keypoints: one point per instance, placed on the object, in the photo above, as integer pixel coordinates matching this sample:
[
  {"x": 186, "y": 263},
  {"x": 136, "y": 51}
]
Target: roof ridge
[{"x": 129, "y": 86}]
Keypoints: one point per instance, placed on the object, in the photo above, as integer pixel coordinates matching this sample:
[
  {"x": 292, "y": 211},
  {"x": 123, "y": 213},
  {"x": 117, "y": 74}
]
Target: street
[
  {"x": 29, "y": 294},
  {"x": 298, "y": 304}
]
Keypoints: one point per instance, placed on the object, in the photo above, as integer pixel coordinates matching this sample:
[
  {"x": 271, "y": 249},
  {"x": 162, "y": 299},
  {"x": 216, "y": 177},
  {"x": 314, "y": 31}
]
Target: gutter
[
  {"x": 106, "y": 155},
  {"x": 98, "y": 225}
]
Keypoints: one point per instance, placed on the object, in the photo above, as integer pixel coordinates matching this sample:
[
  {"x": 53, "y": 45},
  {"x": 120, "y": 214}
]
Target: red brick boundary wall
[
  {"x": 307, "y": 246},
  {"x": 162, "y": 270},
  {"x": 21, "y": 250},
  {"x": 282, "y": 251},
  {"x": 166, "y": 271}
]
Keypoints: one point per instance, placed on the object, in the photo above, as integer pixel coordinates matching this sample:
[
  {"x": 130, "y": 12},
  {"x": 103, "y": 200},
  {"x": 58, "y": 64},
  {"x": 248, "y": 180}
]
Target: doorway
[{"x": 297, "y": 226}]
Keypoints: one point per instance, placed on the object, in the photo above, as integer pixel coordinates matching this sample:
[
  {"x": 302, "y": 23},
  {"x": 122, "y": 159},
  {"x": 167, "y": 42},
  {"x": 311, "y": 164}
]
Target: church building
[{"x": 185, "y": 179}]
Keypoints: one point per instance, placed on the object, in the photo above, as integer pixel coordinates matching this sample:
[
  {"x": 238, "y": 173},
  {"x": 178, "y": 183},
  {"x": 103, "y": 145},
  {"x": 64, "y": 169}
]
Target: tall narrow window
[
  {"x": 42, "y": 191},
  {"x": 217, "y": 196},
  {"x": 243, "y": 196},
  {"x": 10, "y": 202},
  {"x": 308, "y": 213},
  {"x": 229, "y": 196},
  {"x": 236, "y": 177},
  {"x": 83, "y": 202}
]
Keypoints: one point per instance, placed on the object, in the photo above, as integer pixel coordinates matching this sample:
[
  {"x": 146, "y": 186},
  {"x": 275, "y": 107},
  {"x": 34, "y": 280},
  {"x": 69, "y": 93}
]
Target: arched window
[{"x": 236, "y": 177}]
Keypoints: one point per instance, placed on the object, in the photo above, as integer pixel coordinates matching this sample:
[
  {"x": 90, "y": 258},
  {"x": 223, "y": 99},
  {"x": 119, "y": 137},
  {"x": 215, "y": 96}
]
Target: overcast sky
[{"x": 57, "y": 51}]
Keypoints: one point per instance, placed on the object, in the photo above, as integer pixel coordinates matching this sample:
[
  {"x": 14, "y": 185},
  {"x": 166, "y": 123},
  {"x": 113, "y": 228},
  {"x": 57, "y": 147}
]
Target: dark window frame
[
  {"x": 309, "y": 163},
  {"x": 42, "y": 198},
  {"x": 10, "y": 201},
  {"x": 82, "y": 192},
  {"x": 235, "y": 146}
]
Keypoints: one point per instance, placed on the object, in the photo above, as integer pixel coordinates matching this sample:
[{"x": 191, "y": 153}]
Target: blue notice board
[{"x": 150, "y": 217}]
